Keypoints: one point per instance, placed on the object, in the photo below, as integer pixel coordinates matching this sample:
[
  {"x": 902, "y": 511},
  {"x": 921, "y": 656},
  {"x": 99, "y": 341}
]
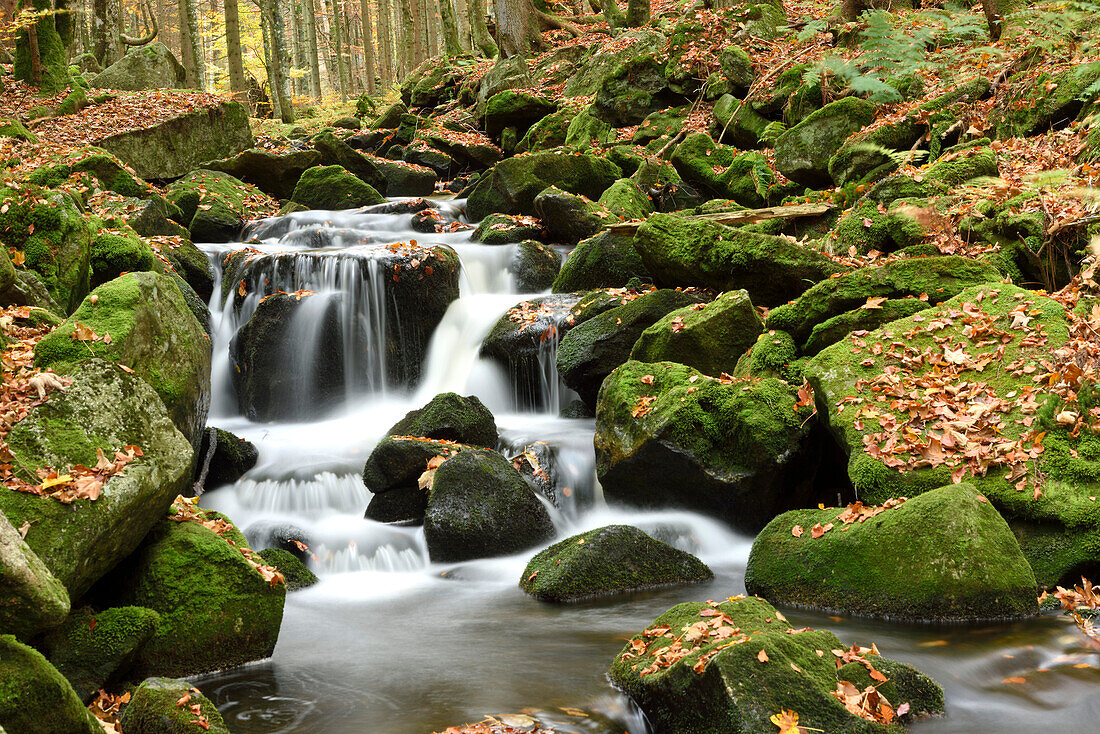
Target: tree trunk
[
  {"x": 278, "y": 62},
  {"x": 452, "y": 46},
  {"x": 238, "y": 85},
  {"x": 480, "y": 31},
  {"x": 637, "y": 13},
  {"x": 314, "y": 61},
  {"x": 191, "y": 45},
  {"x": 338, "y": 52},
  {"x": 613, "y": 15},
  {"x": 368, "y": 45},
  {"x": 386, "y": 44},
  {"x": 518, "y": 26},
  {"x": 40, "y": 58},
  {"x": 107, "y": 44}
]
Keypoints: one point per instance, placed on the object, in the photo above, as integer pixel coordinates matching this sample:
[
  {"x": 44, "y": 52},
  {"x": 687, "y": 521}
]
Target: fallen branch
[{"x": 745, "y": 216}]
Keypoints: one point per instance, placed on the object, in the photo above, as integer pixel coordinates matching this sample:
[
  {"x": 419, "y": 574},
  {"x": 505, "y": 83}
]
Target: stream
[{"x": 389, "y": 643}]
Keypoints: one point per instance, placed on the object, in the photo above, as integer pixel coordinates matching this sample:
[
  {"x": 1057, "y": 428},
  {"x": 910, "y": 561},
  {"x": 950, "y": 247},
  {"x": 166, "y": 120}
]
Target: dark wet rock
[
  {"x": 534, "y": 266},
  {"x": 604, "y": 261},
  {"x": 274, "y": 173},
  {"x": 569, "y": 218},
  {"x": 504, "y": 229},
  {"x": 450, "y": 417},
  {"x": 514, "y": 183},
  {"x": 224, "y": 457}
]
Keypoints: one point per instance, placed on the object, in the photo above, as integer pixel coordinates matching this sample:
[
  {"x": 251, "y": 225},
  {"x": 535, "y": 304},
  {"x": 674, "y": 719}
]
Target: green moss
[
  {"x": 11, "y": 127},
  {"x": 296, "y": 573},
  {"x": 547, "y": 133},
  {"x": 586, "y": 130},
  {"x": 114, "y": 254},
  {"x": 837, "y": 327},
  {"x": 611, "y": 560},
  {"x": 803, "y": 152},
  {"x": 746, "y": 178},
  {"x": 773, "y": 355},
  {"x": 35, "y": 698},
  {"x": 962, "y": 163},
  {"x": 867, "y": 228},
  {"x": 503, "y": 229},
  {"x": 1049, "y": 100},
  {"x": 514, "y": 183},
  {"x": 332, "y": 187},
  {"x": 449, "y": 416},
  {"x": 52, "y": 59},
  {"x": 624, "y": 199},
  {"x": 154, "y": 710}
]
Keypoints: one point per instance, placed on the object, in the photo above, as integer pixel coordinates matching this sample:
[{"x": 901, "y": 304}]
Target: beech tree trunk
[
  {"x": 312, "y": 58},
  {"x": 613, "y": 15},
  {"x": 452, "y": 43},
  {"x": 107, "y": 46},
  {"x": 191, "y": 44},
  {"x": 278, "y": 63},
  {"x": 518, "y": 26},
  {"x": 338, "y": 49},
  {"x": 368, "y": 46},
  {"x": 238, "y": 85},
  {"x": 479, "y": 30},
  {"x": 637, "y": 13},
  {"x": 386, "y": 61}
]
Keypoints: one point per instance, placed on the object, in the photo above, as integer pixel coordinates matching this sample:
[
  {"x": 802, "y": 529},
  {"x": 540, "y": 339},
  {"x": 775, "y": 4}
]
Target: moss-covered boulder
[
  {"x": 55, "y": 238},
  {"x": 866, "y": 227},
  {"x": 224, "y": 457},
  {"x": 835, "y": 328},
  {"x": 722, "y": 171},
  {"x": 333, "y": 187},
  {"x": 1033, "y": 106},
  {"x": 406, "y": 179},
  {"x": 35, "y": 698},
  {"x": 681, "y": 252},
  {"x": 176, "y": 146},
  {"x": 216, "y": 608},
  {"x": 1002, "y": 344},
  {"x": 11, "y": 127},
  {"x": 745, "y": 665},
  {"x": 631, "y": 91},
  {"x": 451, "y": 417},
  {"x": 480, "y": 506},
  {"x": 930, "y": 280},
  {"x": 586, "y": 130},
  {"x": 962, "y": 163},
  {"x": 31, "y": 598},
  {"x": 392, "y": 473},
  {"x": 710, "y": 337},
  {"x": 626, "y": 200},
  {"x": 276, "y": 173},
  {"x": 214, "y": 205},
  {"x": 514, "y": 183},
  {"x": 773, "y": 355},
  {"x": 569, "y": 218},
  {"x": 669, "y": 436},
  {"x": 155, "y": 709},
  {"x": 94, "y": 647},
  {"x": 944, "y": 556},
  {"x": 802, "y": 153},
  {"x": 549, "y": 132},
  {"x": 104, "y": 408},
  {"x": 592, "y": 349},
  {"x": 109, "y": 173},
  {"x": 337, "y": 152},
  {"x": 533, "y": 266},
  {"x": 296, "y": 574},
  {"x": 148, "y": 67},
  {"x": 519, "y": 110},
  {"x": 604, "y": 261},
  {"x": 152, "y": 332},
  {"x": 118, "y": 252},
  {"x": 504, "y": 229},
  {"x": 612, "y": 560},
  {"x": 606, "y": 58}
]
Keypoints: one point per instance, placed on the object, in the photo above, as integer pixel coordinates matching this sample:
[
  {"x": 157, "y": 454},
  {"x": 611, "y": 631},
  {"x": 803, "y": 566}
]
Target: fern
[{"x": 897, "y": 157}]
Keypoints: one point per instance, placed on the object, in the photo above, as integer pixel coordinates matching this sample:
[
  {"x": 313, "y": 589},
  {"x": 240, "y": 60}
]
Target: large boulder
[
  {"x": 118, "y": 252},
  {"x": 156, "y": 709},
  {"x": 176, "y": 146},
  {"x": 480, "y": 506},
  {"x": 682, "y": 252},
  {"x": 276, "y": 173},
  {"x": 944, "y": 556},
  {"x": 1050, "y": 101},
  {"x": 669, "y": 436},
  {"x": 592, "y": 349},
  {"x": 802, "y": 153},
  {"x": 147, "y": 67},
  {"x": 31, "y": 598},
  {"x": 607, "y": 561},
  {"x": 605, "y": 260},
  {"x": 35, "y": 698},
  {"x": 214, "y": 205},
  {"x": 106, "y": 409},
  {"x": 333, "y": 187},
  {"x": 569, "y": 218},
  {"x": 632, "y": 91},
  {"x": 55, "y": 238},
  {"x": 219, "y": 604},
  {"x": 607, "y": 57},
  {"x": 985, "y": 388},
  {"x": 514, "y": 183},
  {"x": 723, "y": 172},
  {"x": 450, "y": 417},
  {"x": 392, "y": 474},
  {"x": 152, "y": 332},
  {"x": 336, "y": 152},
  {"x": 710, "y": 337},
  {"x": 518, "y": 110},
  {"x": 738, "y": 666}
]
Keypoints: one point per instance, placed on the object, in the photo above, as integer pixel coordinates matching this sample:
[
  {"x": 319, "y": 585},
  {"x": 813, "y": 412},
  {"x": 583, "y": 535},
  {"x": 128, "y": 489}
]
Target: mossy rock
[
  {"x": 110, "y": 172},
  {"x": 1059, "y": 529},
  {"x": 608, "y": 561},
  {"x": 569, "y": 218},
  {"x": 104, "y": 408},
  {"x": 405, "y": 179},
  {"x": 660, "y": 124},
  {"x": 231, "y": 456},
  {"x": 534, "y": 266},
  {"x": 53, "y": 234},
  {"x": 710, "y": 337},
  {"x": 480, "y": 506},
  {"x": 337, "y": 152},
  {"x": 152, "y": 332},
  {"x": 626, "y": 200},
  {"x": 154, "y": 710},
  {"x": 94, "y": 647},
  {"x": 604, "y": 261},
  {"x": 451, "y": 417},
  {"x": 149, "y": 67},
  {"x": 867, "y": 228},
  {"x": 835, "y": 328},
  {"x": 1048, "y": 102},
  {"x": 773, "y": 355},
  {"x": 216, "y": 610},
  {"x": 514, "y": 183},
  {"x": 681, "y": 252},
  {"x": 276, "y": 173},
  {"x": 333, "y": 187},
  {"x": 938, "y": 278},
  {"x": 296, "y": 573},
  {"x": 35, "y": 698},
  {"x": 191, "y": 264},
  {"x": 746, "y": 177},
  {"x": 606, "y": 58},
  {"x": 802, "y": 153},
  {"x": 736, "y": 692},
  {"x": 392, "y": 474},
  {"x": 515, "y": 109},
  {"x": 962, "y": 163},
  {"x": 669, "y": 436},
  {"x": 738, "y": 122},
  {"x": 592, "y": 349},
  {"x": 31, "y": 598},
  {"x": 11, "y": 127},
  {"x": 115, "y": 253},
  {"x": 944, "y": 556},
  {"x": 505, "y": 229},
  {"x": 546, "y": 134},
  {"x": 632, "y": 91},
  {"x": 214, "y": 205}
]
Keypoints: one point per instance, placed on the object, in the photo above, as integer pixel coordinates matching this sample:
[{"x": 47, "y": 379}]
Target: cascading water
[{"x": 389, "y": 643}]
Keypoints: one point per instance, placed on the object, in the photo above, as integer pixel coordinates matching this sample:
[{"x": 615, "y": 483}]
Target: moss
[
  {"x": 296, "y": 573},
  {"x": 586, "y": 130},
  {"x": 503, "y": 229},
  {"x": 154, "y": 710},
  {"x": 837, "y": 327},
  {"x": 332, "y": 187},
  {"x": 607, "y": 561},
  {"x": 746, "y": 178},
  {"x": 738, "y": 692},
  {"x": 514, "y": 183},
  {"x": 449, "y": 416},
  {"x": 114, "y": 254},
  {"x": 52, "y": 54},
  {"x": 11, "y": 127},
  {"x": 603, "y": 261},
  {"x": 942, "y": 556},
  {"x": 773, "y": 355},
  {"x": 962, "y": 163},
  {"x": 1049, "y": 101},
  {"x": 802, "y": 153},
  {"x": 547, "y": 133},
  {"x": 534, "y": 266},
  {"x": 515, "y": 109},
  {"x": 35, "y": 698},
  {"x": 660, "y": 124},
  {"x": 710, "y": 337},
  {"x": 624, "y": 199},
  {"x": 867, "y": 228}
]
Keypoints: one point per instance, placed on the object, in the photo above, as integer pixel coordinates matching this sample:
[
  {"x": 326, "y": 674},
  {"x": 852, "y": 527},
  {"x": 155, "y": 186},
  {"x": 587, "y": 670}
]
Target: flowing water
[{"x": 389, "y": 643}]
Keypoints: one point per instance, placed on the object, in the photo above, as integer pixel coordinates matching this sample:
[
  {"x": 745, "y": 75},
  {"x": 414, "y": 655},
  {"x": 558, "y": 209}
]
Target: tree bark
[
  {"x": 368, "y": 45},
  {"x": 452, "y": 45},
  {"x": 637, "y": 13},
  {"x": 338, "y": 49},
  {"x": 238, "y": 85},
  {"x": 191, "y": 44},
  {"x": 479, "y": 30},
  {"x": 312, "y": 57},
  {"x": 613, "y": 15},
  {"x": 386, "y": 61},
  {"x": 107, "y": 44},
  {"x": 278, "y": 62},
  {"x": 518, "y": 26}
]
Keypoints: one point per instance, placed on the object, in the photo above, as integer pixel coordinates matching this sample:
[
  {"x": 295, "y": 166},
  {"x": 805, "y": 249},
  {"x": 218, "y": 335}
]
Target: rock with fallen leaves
[
  {"x": 505, "y": 229},
  {"x": 731, "y": 666},
  {"x": 711, "y": 337},
  {"x": 214, "y": 206},
  {"x": 608, "y": 561},
  {"x": 995, "y": 387},
  {"x": 513, "y": 184},
  {"x": 142, "y": 321},
  {"x": 479, "y": 506},
  {"x": 943, "y": 556},
  {"x": 394, "y": 473},
  {"x": 220, "y": 605},
  {"x": 35, "y": 698},
  {"x": 170, "y": 706},
  {"x": 77, "y": 439},
  {"x": 31, "y": 598},
  {"x": 450, "y": 417},
  {"x": 296, "y": 574},
  {"x": 683, "y": 252},
  {"x": 94, "y": 647},
  {"x": 737, "y": 449}
]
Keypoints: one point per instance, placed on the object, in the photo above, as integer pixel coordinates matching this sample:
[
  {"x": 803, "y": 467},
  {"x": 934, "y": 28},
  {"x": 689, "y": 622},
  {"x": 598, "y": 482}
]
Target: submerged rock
[
  {"x": 611, "y": 560},
  {"x": 155, "y": 709},
  {"x": 944, "y": 556},
  {"x": 744, "y": 665},
  {"x": 35, "y": 698}
]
